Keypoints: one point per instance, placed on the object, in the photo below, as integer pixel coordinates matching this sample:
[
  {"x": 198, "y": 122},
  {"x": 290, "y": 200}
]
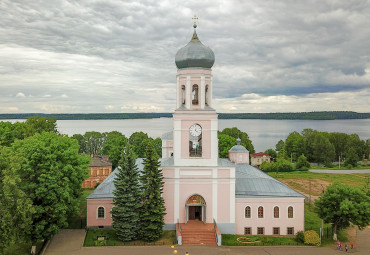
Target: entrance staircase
[{"x": 195, "y": 232}]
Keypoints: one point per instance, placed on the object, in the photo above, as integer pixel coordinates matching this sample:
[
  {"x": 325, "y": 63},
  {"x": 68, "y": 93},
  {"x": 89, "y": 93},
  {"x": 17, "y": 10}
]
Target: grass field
[
  {"x": 305, "y": 181},
  {"x": 168, "y": 238}
]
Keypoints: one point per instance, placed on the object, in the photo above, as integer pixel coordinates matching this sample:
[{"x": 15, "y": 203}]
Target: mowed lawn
[{"x": 314, "y": 183}]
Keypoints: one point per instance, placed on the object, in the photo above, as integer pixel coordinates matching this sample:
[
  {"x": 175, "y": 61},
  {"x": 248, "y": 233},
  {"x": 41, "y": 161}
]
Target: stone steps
[{"x": 198, "y": 233}]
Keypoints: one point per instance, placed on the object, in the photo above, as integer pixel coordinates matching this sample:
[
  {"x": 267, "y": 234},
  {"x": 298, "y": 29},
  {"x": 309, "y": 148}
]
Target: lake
[{"x": 263, "y": 133}]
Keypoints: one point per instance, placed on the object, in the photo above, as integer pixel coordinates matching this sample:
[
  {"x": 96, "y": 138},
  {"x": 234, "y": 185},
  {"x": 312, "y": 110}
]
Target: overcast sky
[{"x": 88, "y": 56}]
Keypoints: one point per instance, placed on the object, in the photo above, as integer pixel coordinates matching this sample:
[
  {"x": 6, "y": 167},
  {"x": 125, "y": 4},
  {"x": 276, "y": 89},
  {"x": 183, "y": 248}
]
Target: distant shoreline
[{"x": 324, "y": 115}]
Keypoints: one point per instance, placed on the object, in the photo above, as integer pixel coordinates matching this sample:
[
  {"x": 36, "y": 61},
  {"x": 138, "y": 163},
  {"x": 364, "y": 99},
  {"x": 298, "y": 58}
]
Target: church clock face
[{"x": 195, "y": 130}]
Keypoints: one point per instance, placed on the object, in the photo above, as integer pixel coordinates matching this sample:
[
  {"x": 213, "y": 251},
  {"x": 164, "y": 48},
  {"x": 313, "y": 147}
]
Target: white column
[
  {"x": 202, "y": 92},
  {"x": 178, "y": 91},
  {"x": 176, "y": 141},
  {"x": 214, "y": 141},
  {"x": 176, "y": 195},
  {"x": 214, "y": 194},
  {"x": 188, "y": 92}
]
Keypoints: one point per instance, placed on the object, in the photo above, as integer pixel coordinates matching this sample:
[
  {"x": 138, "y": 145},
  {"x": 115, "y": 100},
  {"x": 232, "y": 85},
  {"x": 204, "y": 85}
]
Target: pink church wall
[
  {"x": 92, "y": 212},
  {"x": 223, "y": 203},
  {"x": 268, "y": 221},
  {"x": 168, "y": 196}
]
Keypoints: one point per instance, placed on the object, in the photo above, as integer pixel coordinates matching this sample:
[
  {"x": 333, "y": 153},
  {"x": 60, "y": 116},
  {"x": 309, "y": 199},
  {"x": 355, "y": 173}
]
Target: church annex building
[{"x": 199, "y": 186}]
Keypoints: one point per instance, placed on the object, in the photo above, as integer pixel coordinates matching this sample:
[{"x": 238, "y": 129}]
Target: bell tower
[{"x": 195, "y": 121}]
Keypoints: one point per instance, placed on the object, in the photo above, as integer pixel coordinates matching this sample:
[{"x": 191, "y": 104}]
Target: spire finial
[
  {"x": 238, "y": 141},
  {"x": 195, "y": 18}
]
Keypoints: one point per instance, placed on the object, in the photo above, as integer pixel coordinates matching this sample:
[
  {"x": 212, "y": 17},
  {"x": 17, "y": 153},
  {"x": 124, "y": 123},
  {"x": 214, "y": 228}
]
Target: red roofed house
[
  {"x": 258, "y": 158},
  {"x": 100, "y": 167}
]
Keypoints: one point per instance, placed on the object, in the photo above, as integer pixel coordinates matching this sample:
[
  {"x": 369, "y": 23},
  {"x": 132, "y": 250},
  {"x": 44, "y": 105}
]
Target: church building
[{"x": 198, "y": 185}]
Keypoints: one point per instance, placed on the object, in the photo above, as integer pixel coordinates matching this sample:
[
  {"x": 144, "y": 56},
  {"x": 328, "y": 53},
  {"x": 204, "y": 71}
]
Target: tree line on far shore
[{"x": 319, "y": 115}]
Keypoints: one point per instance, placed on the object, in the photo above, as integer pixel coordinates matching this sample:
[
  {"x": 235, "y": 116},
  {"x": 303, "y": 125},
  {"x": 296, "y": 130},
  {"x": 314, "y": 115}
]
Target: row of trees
[
  {"x": 322, "y": 147},
  {"x": 111, "y": 144},
  {"x": 41, "y": 173},
  {"x": 138, "y": 204}
]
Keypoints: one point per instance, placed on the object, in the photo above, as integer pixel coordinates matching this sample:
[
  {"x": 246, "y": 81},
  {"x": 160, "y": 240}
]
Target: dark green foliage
[
  {"x": 113, "y": 146},
  {"x": 302, "y": 163},
  {"x": 351, "y": 157},
  {"x": 94, "y": 142},
  {"x": 51, "y": 175},
  {"x": 225, "y": 142},
  {"x": 342, "y": 205},
  {"x": 271, "y": 152},
  {"x": 300, "y": 237},
  {"x": 125, "y": 213},
  {"x": 280, "y": 145},
  {"x": 295, "y": 145},
  {"x": 236, "y": 133},
  {"x": 19, "y": 130},
  {"x": 15, "y": 208},
  {"x": 280, "y": 165},
  {"x": 139, "y": 143},
  {"x": 152, "y": 210}
]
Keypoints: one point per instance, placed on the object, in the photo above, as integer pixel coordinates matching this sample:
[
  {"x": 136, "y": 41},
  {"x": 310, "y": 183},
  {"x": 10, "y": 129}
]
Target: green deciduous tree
[
  {"x": 342, "y": 205},
  {"x": 236, "y": 133},
  {"x": 351, "y": 157},
  {"x": 135, "y": 140},
  {"x": 322, "y": 150},
  {"x": 295, "y": 145},
  {"x": 127, "y": 203},
  {"x": 51, "y": 176},
  {"x": 225, "y": 142},
  {"x": 271, "y": 152},
  {"x": 113, "y": 146},
  {"x": 302, "y": 163},
  {"x": 93, "y": 142},
  {"x": 152, "y": 210},
  {"x": 15, "y": 207}
]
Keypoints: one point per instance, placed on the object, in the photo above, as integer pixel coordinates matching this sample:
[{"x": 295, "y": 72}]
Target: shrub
[
  {"x": 300, "y": 237},
  {"x": 302, "y": 163},
  {"x": 283, "y": 164},
  {"x": 311, "y": 238}
]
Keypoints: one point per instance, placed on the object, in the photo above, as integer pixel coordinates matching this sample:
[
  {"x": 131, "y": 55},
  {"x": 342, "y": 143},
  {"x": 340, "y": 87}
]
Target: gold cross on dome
[{"x": 195, "y": 19}]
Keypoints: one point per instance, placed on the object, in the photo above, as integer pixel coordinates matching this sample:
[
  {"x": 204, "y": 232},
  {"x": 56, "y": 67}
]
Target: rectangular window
[
  {"x": 247, "y": 231},
  {"x": 260, "y": 231},
  {"x": 290, "y": 231},
  {"x": 276, "y": 231}
]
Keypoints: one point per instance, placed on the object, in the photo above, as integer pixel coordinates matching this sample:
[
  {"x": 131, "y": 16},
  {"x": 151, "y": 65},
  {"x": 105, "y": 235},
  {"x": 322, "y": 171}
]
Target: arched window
[
  {"x": 290, "y": 212},
  {"x": 247, "y": 212},
  {"x": 101, "y": 212},
  {"x": 207, "y": 95},
  {"x": 195, "y": 93},
  {"x": 260, "y": 212},
  {"x": 276, "y": 212},
  {"x": 183, "y": 95}
]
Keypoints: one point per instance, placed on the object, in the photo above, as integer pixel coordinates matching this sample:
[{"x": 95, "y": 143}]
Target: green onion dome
[{"x": 195, "y": 54}]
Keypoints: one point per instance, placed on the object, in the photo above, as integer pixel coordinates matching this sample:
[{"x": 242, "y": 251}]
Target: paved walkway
[
  {"x": 329, "y": 171},
  {"x": 69, "y": 241}
]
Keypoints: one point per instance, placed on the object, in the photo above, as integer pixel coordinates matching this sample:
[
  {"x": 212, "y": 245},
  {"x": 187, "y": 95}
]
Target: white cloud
[{"x": 20, "y": 94}]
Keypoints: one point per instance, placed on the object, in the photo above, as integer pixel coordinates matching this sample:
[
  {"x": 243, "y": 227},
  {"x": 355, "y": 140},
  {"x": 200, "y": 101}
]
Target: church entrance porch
[{"x": 195, "y": 209}]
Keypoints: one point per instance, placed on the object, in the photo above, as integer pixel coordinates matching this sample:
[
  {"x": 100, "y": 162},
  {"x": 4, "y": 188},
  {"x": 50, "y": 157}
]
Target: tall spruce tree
[
  {"x": 125, "y": 213},
  {"x": 152, "y": 210}
]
